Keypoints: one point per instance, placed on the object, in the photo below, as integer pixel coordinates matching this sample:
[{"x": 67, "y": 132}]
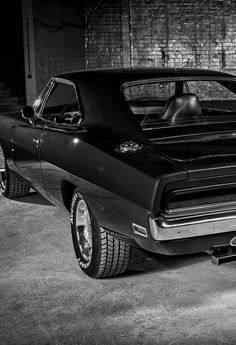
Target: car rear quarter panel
[{"x": 118, "y": 191}]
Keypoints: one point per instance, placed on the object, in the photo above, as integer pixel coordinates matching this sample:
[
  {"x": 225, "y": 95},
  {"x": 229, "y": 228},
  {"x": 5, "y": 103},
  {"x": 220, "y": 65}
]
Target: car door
[
  {"x": 60, "y": 118},
  {"x": 26, "y": 141}
]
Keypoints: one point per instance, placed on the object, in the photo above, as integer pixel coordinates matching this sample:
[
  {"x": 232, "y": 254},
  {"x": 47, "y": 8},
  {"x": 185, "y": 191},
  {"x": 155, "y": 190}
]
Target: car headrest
[{"x": 182, "y": 107}]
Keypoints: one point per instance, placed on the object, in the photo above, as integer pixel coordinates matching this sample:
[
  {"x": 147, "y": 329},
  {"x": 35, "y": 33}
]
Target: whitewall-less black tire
[
  {"x": 11, "y": 185},
  {"x": 99, "y": 253}
]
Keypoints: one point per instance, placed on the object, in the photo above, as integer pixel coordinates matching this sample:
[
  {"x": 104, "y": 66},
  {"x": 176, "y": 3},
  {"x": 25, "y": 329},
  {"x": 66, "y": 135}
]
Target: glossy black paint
[{"x": 121, "y": 189}]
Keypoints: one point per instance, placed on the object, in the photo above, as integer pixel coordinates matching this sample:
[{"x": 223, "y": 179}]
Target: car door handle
[{"x": 36, "y": 141}]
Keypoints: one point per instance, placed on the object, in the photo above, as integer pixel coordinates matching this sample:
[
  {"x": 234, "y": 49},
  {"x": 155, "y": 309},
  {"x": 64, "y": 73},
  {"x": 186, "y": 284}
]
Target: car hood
[{"x": 209, "y": 151}]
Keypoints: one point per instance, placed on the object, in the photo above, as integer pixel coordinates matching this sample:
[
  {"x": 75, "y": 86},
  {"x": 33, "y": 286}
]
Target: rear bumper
[
  {"x": 187, "y": 245},
  {"x": 182, "y": 228}
]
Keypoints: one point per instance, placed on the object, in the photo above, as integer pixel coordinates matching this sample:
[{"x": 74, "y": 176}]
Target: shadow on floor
[
  {"x": 34, "y": 198},
  {"x": 143, "y": 262}
]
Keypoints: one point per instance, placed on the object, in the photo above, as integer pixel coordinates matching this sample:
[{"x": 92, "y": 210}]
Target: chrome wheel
[
  {"x": 2, "y": 171},
  {"x": 84, "y": 230}
]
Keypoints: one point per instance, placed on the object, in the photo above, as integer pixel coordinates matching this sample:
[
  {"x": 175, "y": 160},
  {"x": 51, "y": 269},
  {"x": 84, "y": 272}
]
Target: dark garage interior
[
  {"x": 44, "y": 297},
  {"x": 50, "y": 37}
]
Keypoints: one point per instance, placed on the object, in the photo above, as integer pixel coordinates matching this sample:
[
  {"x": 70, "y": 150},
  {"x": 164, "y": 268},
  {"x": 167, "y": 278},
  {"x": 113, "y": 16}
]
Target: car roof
[
  {"x": 142, "y": 72},
  {"x": 103, "y": 105}
]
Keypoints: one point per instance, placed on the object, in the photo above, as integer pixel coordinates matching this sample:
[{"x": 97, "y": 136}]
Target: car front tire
[
  {"x": 99, "y": 253},
  {"x": 11, "y": 185}
]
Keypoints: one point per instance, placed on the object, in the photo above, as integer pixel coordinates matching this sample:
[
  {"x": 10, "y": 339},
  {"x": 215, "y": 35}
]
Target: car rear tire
[
  {"x": 99, "y": 253},
  {"x": 11, "y": 185}
]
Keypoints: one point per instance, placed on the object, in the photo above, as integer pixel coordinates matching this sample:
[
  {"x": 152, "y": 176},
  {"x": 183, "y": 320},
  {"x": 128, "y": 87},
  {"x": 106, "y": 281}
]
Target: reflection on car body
[{"x": 141, "y": 157}]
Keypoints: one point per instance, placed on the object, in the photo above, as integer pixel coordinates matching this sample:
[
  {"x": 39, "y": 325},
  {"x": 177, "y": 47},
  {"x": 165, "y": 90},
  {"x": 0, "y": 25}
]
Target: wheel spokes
[
  {"x": 84, "y": 230},
  {"x": 2, "y": 171}
]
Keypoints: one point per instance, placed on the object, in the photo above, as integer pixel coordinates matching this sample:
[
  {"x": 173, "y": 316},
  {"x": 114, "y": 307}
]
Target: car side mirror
[{"x": 28, "y": 112}]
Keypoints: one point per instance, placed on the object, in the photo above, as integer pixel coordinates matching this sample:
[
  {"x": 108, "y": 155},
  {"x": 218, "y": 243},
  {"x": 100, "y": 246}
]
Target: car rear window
[
  {"x": 181, "y": 102},
  {"x": 150, "y": 91}
]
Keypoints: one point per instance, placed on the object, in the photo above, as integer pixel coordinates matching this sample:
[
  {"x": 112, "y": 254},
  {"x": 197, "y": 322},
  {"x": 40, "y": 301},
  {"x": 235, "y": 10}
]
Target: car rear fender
[{"x": 111, "y": 211}]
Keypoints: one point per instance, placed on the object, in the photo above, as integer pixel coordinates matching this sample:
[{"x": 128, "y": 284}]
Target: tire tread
[
  {"x": 115, "y": 255},
  {"x": 16, "y": 186}
]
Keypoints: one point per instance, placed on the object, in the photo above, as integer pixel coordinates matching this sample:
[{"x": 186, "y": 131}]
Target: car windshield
[{"x": 181, "y": 102}]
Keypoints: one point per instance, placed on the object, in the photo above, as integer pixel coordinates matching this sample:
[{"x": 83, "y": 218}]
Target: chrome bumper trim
[{"x": 164, "y": 230}]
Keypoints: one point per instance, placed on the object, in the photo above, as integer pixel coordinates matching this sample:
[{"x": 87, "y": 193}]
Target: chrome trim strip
[
  {"x": 165, "y": 230},
  {"x": 64, "y": 81},
  {"x": 203, "y": 137},
  {"x": 233, "y": 242},
  {"x": 227, "y": 205},
  {"x": 176, "y": 78}
]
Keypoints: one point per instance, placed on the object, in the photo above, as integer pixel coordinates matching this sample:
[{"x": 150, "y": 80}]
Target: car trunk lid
[{"x": 201, "y": 154}]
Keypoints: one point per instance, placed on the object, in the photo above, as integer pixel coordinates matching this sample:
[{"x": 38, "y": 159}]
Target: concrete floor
[{"x": 46, "y": 299}]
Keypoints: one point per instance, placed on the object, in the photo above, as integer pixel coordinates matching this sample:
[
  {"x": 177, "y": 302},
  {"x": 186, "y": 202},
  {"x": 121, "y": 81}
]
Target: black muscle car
[{"x": 139, "y": 157}]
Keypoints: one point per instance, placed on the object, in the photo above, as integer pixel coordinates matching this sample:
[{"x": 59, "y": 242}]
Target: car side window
[{"x": 62, "y": 105}]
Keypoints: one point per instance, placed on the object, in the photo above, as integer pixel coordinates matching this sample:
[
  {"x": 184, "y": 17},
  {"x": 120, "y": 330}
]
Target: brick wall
[
  {"x": 162, "y": 33},
  {"x": 103, "y": 34},
  {"x": 58, "y": 38}
]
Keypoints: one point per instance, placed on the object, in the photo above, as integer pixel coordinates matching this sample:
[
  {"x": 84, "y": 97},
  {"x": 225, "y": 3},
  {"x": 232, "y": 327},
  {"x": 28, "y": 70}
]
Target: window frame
[
  {"x": 45, "y": 96},
  {"x": 42, "y": 97},
  {"x": 163, "y": 79}
]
